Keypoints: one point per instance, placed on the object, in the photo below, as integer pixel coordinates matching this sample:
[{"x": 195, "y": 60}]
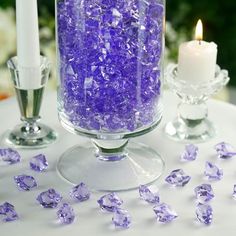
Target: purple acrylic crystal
[
  {"x": 9, "y": 155},
  {"x": 39, "y": 163},
  {"x": 49, "y": 198},
  {"x": 148, "y": 195},
  {"x": 164, "y": 213},
  {"x": 212, "y": 172},
  {"x": 110, "y": 55},
  {"x": 204, "y": 193},
  {"x": 110, "y": 202},
  {"x": 80, "y": 192},
  {"x": 204, "y": 213},
  {"x": 190, "y": 153},
  {"x": 225, "y": 150},
  {"x": 234, "y": 192},
  {"x": 25, "y": 182},
  {"x": 66, "y": 214},
  {"x": 121, "y": 218},
  {"x": 7, "y": 212},
  {"x": 178, "y": 178}
]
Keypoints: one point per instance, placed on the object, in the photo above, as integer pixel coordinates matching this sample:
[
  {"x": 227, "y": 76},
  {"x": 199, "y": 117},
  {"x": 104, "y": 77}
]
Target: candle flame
[{"x": 199, "y": 31}]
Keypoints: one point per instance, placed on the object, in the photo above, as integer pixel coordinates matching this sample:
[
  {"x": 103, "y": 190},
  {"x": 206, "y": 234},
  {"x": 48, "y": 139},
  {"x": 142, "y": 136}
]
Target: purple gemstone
[
  {"x": 204, "y": 193},
  {"x": 7, "y": 212},
  {"x": 178, "y": 178},
  {"x": 49, "y": 198},
  {"x": 121, "y": 218},
  {"x": 234, "y": 192},
  {"x": 147, "y": 195},
  {"x": 66, "y": 214},
  {"x": 204, "y": 213},
  {"x": 225, "y": 150},
  {"x": 110, "y": 202},
  {"x": 190, "y": 153},
  {"x": 9, "y": 155},
  {"x": 212, "y": 172},
  {"x": 80, "y": 192},
  {"x": 164, "y": 213},
  {"x": 25, "y": 182},
  {"x": 39, "y": 163}
]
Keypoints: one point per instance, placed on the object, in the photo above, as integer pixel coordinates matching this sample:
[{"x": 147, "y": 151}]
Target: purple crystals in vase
[
  {"x": 204, "y": 213},
  {"x": 148, "y": 195},
  {"x": 9, "y": 155},
  {"x": 164, "y": 213},
  {"x": 190, "y": 153},
  {"x": 80, "y": 192},
  {"x": 25, "y": 182},
  {"x": 110, "y": 202},
  {"x": 7, "y": 212},
  {"x": 121, "y": 218},
  {"x": 204, "y": 193},
  {"x": 177, "y": 178},
  {"x": 39, "y": 163},
  {"x": 212, "y": 172},
  {"x": 49, "y": 198},
  {"x": 225, "y": 150},
  {"x": 234, "y": 192},
  {"x": 66, "y": 214}
]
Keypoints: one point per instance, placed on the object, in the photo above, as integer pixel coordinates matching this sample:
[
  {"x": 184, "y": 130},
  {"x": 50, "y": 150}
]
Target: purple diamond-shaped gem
[
  {"x": 66, "y": 214},
  {"x": 39, "y": 163},
  {"x": 9, "y": 155},
  {"x": 234, "y": 192},
  {"x": 49, "y": 198},
  {"x": 25, "y": 182},
  {"x": 225, "y": 150},
  {"x": 110, "y": 202},
  {"x": 8, "y": 212},
  {"x": 204, "y": 193},
  {"x": 178, "y": 178},
  {"x": 164, "y": 213},
  {"x": 121, "y": 218},
  {"x": 147, "y": 195},
  {"x": 212, "y": 171},
  {"x": 80, "y": 192},
  {"x": 204, "y": 213},
  {"x": 190, "y": 153}
]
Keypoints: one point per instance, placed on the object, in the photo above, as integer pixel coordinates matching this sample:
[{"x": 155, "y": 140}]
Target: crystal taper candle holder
[
  {"x": 30, "y": 133},
  {"x": 191, "y": 123}
]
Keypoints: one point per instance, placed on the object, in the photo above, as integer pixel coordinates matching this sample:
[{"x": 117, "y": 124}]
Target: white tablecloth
[{"x": 90, "y": 221}]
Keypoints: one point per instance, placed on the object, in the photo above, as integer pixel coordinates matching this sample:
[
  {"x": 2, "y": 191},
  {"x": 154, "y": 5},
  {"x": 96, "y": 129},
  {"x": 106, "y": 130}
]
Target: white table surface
[{"x": 90, "y": 221}]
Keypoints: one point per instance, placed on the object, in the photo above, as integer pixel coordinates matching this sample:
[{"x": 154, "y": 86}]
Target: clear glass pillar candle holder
[
  {"x": 110, "y": 56},
  {"x": 191, "y": 123}
]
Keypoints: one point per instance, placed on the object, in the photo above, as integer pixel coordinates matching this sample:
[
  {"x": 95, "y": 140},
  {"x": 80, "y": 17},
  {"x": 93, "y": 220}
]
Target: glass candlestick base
[
  {"x": 191, "y": 123},
  {"x": 30, "y": 133}
]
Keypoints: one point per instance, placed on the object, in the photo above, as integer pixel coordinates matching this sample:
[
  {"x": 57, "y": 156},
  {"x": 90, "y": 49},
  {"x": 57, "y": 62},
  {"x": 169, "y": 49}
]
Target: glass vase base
[
  {"x": 40, "y": 137},
  {"x": 190, "y": 131},
  {"x": 139, "y": 164}
]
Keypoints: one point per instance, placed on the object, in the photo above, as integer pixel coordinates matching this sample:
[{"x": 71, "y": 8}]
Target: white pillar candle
[
  {"x": 28, "y": 50},
  {"x": 197, "y": 59}
]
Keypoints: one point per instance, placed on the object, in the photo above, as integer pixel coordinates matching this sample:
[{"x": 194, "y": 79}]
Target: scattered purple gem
[
  {"x": 212, "y": 172},
  {"x": 178, "y": 178},
  {"x": 204, "y": 193},
  {"x": 204, "y": 213},
  {"x": 190, "y": 153},
  {"x": 234, "y": 192},
  {"x": 49, "y": 198},
  {"x": 164, "y": 213},
  {"x": 9, "y": 155},
  {"x": 7, "y": 212},
  {"x": 147, "y": 195},
  {"x": 225, "y": 150},
  {"x": 39, "y": 163},
  {"x": 121, "y": 218},
  {"x": 80, "y": 192},
  {"x": 25, "y": 182},
  {"x": 110, "y": 202},
  {"x": 66, "y": 214}
]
